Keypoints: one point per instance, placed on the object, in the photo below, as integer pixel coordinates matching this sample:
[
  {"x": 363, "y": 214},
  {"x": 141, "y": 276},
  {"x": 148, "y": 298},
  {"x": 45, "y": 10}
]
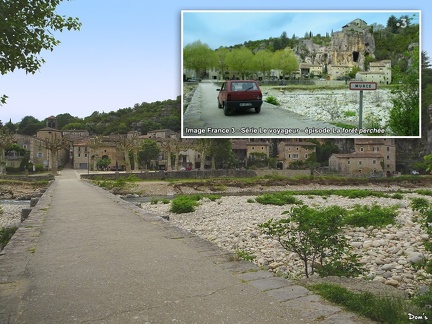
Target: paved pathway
[{"x": 86, "y": 256}]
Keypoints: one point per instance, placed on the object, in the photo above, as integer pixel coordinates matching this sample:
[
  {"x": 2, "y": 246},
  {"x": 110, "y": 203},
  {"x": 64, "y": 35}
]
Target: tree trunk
[{"x": 136, "y": 166}]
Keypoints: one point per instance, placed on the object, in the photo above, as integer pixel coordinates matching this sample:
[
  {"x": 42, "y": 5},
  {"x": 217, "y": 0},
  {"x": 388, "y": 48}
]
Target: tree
[
  {"x": 240, "y": 60},
  {"x": 198, "y": 57},
  {"x": 221, "y": 153},
  {"x": 54, "y": 143},
  {"x": 314, "y": 235},
  {"x": 286, "y": 61},
  {"x": 26, "y": 29},
  {"x": 29, "y": 125},
  {"x": 262, "y": 61},
  {"x": 404, "y": 116},
  {"x": 149, "y": 151},
  {"x": 221, "y": 64}
]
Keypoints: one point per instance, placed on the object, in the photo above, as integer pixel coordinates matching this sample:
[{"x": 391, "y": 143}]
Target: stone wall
[{"x": 165, "y": 175}]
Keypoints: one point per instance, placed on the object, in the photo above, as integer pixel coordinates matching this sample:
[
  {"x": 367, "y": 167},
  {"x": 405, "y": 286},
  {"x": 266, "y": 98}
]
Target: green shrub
[
  {"x": 419, "y": 204},
  {"x": 6, "y": 234},
  {"x": 251, "y": 200},
  {"x": 213, "y": 197},
  {"x": 314, "y": 235},
  {"x": 278, "y": 198},
  {"x": 154, "y": 201},
  {"x": 165, "y": 201},
  {"x": 183, "y": 204},
  {"x": 272, "y": 100},
  {"x": 375, "y": 215}
]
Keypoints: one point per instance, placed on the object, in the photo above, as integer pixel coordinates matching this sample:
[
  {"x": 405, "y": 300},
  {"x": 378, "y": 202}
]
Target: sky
[
  {"x": 235, "y": 27},
  {"x": 128, "y": 52}
]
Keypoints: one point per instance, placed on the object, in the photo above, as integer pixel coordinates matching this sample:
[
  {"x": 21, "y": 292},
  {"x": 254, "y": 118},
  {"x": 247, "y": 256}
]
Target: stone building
[
  {"x": 372, "y": 156},
  {"x": 294, "y": 151}
]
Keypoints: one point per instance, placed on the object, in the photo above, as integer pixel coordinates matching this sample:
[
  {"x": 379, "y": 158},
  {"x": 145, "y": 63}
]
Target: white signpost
[{"x": 360, "y": 85}]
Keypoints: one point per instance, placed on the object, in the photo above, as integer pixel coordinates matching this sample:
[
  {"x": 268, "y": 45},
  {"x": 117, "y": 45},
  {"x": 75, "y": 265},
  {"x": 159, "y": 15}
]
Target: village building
[
  {"x": 372, "y": 157},
  {"x": 294, "y": 151}
]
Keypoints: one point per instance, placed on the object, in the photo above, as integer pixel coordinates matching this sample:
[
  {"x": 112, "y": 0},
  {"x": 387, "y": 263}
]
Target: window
[
  {"x": 360, "y": 162},
  {"x": 361, "y": 149},
  {"x": 295, "y": 156},
  {"x": 388, "y": 148},
  {"x": 388, "y": 157},
  {"x": 39, "y": 155},
  {"x": 373, "y": 161},
  {"x": 348, "y": 162},
  {"x": 306, "y": 156}
]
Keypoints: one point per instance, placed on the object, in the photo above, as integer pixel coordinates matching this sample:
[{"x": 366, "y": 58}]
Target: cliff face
[{"x": 350, "y": 46}]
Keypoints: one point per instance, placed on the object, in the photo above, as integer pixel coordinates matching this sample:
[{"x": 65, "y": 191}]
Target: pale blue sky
[
  {"x": 128, "y": 51},
  {"x": 226, "y": 28}
]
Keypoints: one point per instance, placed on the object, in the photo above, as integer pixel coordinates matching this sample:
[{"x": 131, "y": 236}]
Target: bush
[
  {"x": 375, "y": 215},
  {"x": 278, "y": 198},
  {"x": 314, "y": 235},
  {"x": 272, "y": 100},
  {"x": 6, "y": 234},
  {"x": 184, "y": 204}
]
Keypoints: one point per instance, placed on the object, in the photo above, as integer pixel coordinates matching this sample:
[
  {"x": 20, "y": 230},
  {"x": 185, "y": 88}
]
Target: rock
[
  {"x": 415, "y": 257},
  {"x": 392, "y": 282},
  {"x": 387, "y": 267}
]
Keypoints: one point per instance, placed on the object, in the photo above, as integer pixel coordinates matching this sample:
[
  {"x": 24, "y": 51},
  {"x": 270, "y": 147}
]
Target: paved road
[
  {"x": 86, "y": 256},
  {"x": 203, "y": 118}
]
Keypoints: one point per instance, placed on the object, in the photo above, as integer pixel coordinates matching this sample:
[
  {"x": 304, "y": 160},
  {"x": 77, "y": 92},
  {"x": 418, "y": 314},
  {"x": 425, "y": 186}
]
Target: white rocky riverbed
[
  {"x": 387, "y": 253},
  {"x": 10, "y": 213},
  {"x": 336, "y": 105}
]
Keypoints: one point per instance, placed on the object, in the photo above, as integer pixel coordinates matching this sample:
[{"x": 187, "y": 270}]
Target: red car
[{"x": 239, "y": 95}]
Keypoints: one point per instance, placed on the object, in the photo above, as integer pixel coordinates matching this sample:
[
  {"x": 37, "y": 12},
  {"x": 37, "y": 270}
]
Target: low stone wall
[
  {"x": 284, "y": 173},
  {"x": 44, "y": 177},
  {"x": 165, "y": 175}
]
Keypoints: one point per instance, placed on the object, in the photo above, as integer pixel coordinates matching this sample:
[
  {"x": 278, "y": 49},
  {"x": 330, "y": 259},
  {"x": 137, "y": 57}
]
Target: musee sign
[{"x": 362, "y": 85}]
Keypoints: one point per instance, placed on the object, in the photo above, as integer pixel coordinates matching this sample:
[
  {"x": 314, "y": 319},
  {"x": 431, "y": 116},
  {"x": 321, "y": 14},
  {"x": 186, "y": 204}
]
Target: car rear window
[{"x": 243, "y": 86}]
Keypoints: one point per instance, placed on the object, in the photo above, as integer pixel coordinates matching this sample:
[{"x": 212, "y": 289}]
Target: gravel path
[{"x": 387, "y": 253}]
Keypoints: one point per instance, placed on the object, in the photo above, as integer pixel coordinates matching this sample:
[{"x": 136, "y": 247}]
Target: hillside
[{"x": 142, "y": 117}]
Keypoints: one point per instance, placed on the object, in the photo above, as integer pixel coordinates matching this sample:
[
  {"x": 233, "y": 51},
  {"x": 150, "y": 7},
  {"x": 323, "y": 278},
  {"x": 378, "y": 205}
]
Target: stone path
[{"x": 85, "y": 255}]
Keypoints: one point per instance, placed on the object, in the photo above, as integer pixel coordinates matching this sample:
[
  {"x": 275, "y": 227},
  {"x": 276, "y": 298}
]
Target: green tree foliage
[
  {"x": 404, "y": 116},
  {"x": 262, "y": 61},
  {"x": 286, "y": 61},
  {"x": 221, "y": 64},
  {"x": 315, "y": 236},
  {"x": 26, "y": 29},
  {"x": 29, "y": 125},
  {"x": 149, "y": 151},
  {"x": 240, "y": 60},
  {"x": 103, "y": 163},
  {"x": 66, "y": 118},
  {"x": 198, "y": 56},
  {"x": 324, "y": 151},
  {"x": 221, "y": 153}
]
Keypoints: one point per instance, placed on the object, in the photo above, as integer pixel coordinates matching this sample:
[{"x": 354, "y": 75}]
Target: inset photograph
[{"x": 300, "y": 73}]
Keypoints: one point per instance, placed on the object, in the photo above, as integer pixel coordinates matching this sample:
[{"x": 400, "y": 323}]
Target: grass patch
[
  {"x": 245, "y": 255},
  {"x": 6, "y": 234},
  {"x": 380, "y": 309},
  {"x": 272, "y": 100},
  {"x": 375, "y": 215},
  {"x": 278, "y": 198}
]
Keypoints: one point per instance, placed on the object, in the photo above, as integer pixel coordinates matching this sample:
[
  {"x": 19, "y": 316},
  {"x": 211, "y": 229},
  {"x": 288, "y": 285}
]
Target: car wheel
[
  {"x": 257, "y": 110},
  {"x": 226, "y": 110}
]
